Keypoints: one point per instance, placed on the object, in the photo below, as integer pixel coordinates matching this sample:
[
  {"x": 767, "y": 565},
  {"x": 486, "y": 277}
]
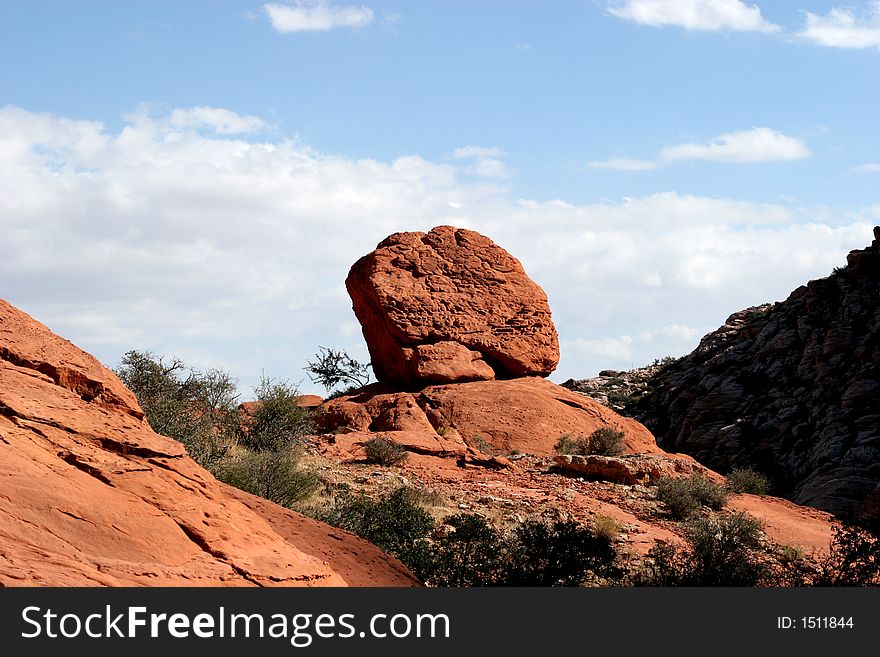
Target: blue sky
[{"x": 196, "y": 177}]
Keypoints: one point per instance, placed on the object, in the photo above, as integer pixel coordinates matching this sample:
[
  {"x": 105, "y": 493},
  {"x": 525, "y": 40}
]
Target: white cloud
[
  {"x": 755, "y": 145},
  {"x": 318, "y": 16},
  {"x": 221, "y": 121},
  {"x": 232, "y": 252},
  {"x": 486, "y": 162},
  {"x": 708, "y": 15},
  {"x": 870, "y": 167},
  {"x": 465, "y": 152},
  {"x": 623, "y": 164},
  {"x": 842, "y": 28}
]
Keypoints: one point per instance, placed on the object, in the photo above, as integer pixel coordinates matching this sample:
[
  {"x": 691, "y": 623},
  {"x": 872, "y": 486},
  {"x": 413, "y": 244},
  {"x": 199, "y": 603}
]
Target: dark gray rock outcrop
[{"x": 791, "y": 389}]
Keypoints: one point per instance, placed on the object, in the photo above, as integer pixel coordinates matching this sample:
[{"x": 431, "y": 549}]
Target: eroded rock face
[
  {"x": 636, "y": 468},
  {"x": 91, "y": 496},
  {"x": 792, "y": 389},
  {"x": 450, "y": 305},
  {"x": 527, "y": 415}
]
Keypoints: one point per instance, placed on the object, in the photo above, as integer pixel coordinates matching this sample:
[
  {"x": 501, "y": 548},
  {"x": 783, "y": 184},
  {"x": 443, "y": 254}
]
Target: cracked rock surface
[
  {"x": 90, "y": 495},
  {"x": 450, "y": 305}
]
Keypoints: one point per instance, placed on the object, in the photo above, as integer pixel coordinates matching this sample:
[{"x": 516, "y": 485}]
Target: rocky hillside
[
  {"x": 791, "y": 389},
  {"x": 91, "y": 496}
]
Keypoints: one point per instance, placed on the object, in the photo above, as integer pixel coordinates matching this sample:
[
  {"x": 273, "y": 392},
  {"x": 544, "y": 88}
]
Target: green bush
[
  {"x": 533, "y": 553},
  {"x": 722, "y": 550},
  {"x": 471, "y": 555},
  {"x": 561, "y": 554},
  {"x": 747, "y": 480},
  {"x": 604, "y": 442},
  {"x": 684, "y": 497},
  {"x": 274, "y": 475},
  {"x": 383, "y": 451},
  {"x": 569, "y": 445},
  {"x": 394, "y": 522},
  {"x": 275, "y": 421}
]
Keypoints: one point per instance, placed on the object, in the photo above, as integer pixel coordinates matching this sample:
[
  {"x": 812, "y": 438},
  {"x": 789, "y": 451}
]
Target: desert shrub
[
  {"x": 683, "y": 497},
  {"x": 533, "y": 553},
  {"x": 853, "y": 560},
  {"x": 471, "y": 555},
  {"x": 384, "y": 451},
  {"x": 193, "y": 407},
  {"x": 722, "y": 550},
  {"x": 275, "y": 421},
  {"x": 561, "y": 554},
  {"x": 332, "y": 367},
  {"x": 747, "y": 480},
  {"x": 394, "y": 522},
  {"x": 274, "y": 475},
  {"x": 606, "y": 528},
  {"x": 569, "y": 445},
  {"x": 604, "y": 441}
]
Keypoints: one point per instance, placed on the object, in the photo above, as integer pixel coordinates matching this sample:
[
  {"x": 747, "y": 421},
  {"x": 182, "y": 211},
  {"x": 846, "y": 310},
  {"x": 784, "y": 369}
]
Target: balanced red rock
[
  {"x": 450, "y": 305},
  {"x": 91, "y": 496}
]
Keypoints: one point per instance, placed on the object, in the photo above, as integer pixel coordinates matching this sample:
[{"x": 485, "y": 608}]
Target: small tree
[
  {"x": 331, "y": 368},
  {"x": 183, "y": 403}
]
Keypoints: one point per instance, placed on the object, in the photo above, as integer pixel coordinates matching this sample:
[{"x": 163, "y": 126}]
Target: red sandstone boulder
[
  {"x": 91, "y": 496},
  {"x": 450, "y": 305}
]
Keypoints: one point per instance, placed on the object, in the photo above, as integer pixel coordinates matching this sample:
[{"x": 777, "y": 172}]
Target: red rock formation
[
  {"x": 528, "y": 415},
  {"x": 450, "y": 305},
  {"x": 91, "y": 496}
]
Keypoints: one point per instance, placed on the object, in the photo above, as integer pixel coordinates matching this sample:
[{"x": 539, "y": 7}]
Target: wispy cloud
[
  {"x": 302, "y": 16},
  {"x": 843, "y": 28},
  {"x": 623, "y": 164},
  {"x": 708, "y": 15},
  {"x": 755, "y": 145},
  {"x": 486, "y": 162},
  {"x": 221, "y": 121},
  {"x": 870, "y": 167},
  {"x": 464, "y": 152}
]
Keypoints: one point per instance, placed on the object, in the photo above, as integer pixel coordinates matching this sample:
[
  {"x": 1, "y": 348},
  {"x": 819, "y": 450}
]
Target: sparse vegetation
[
  {"x": 747, "y": 480},
  {"x": 331, "y": 368},
  {"x": 274, "y": 475},
  {"x": 683, "y": 497},
  {"x": 854, "y": 559},
  {"x": 384, "y": 451},
  {"x": 256, "y": 449},
  {"x": 722, "y": 550},
  {"x": 605, "y": 442},
  {"x": 473, "y": 552}
]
